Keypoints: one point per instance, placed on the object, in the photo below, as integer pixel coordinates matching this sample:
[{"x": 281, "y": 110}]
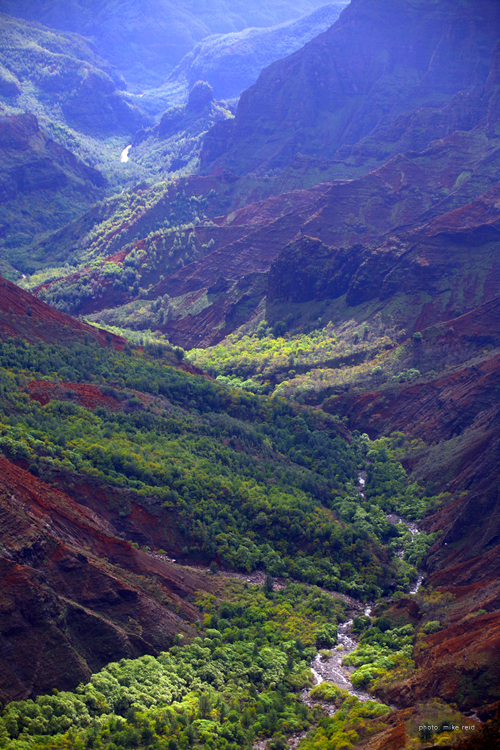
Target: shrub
[{"x": 433, "y": 626}]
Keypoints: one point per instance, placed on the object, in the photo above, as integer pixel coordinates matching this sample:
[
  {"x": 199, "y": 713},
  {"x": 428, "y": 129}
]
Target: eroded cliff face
[
  {"x": 354, "y": 239},
  {"x": 387, "y": 244},
  {"x": 24, "y": 315},
  {"x": 452, "y": 416},
  {"x": 453, "y": 412},
  {"x": 75, "y": 595},
  {"x": 360, "y": 78}
]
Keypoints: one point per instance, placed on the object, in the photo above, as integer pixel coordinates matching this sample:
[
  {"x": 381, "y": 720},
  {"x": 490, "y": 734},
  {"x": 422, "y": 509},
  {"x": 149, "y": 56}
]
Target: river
[
  {"x": 330, "y": 667},
  {"x": 124, "y": 154}
]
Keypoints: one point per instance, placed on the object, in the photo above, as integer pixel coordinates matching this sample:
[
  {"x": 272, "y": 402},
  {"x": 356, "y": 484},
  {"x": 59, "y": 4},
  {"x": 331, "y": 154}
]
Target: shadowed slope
[
  {"x": 22, "y": 314},
  {"x": 379, "y": 61},
  {"x": 74, "y": 596}
]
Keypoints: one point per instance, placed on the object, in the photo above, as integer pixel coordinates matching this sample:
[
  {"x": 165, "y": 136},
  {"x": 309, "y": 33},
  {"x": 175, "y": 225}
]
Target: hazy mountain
[
  {"x": 59, "y": 77},
  {"x": 145, "y": 39},
  {"x": 231, "y": 63},
  {"x": 42, "y": 185}
]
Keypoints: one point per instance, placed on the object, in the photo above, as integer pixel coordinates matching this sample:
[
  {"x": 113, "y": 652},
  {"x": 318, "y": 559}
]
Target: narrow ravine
[
  {"x": 414, "y": 531},
  {"x": 327, "y": 665},
  {"x": 330, "y": 668}
]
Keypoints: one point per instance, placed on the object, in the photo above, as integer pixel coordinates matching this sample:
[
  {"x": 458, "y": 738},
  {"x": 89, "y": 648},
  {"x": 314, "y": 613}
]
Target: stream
[
  {"x": 330, "y": 668},
  {"x": 414, "y": 531}
]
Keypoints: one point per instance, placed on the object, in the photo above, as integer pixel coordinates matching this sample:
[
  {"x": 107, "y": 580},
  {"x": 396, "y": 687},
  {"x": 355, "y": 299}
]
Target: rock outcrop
[{"x": 75, "y": 595}]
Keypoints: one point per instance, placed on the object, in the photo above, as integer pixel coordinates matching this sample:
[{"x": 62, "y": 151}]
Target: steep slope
[
  {"x": 42, "y": 184},
  {"x": 174, "y": 144},
  {"x": 60, "y": 105},
  {"x": 376, "y": 225},
  {"x": 22, "y": 314},
  {"x": 353, "y": 261},
  {"x": 59, "y": 77},
  {"x": 377, "y": 64},
  {"x": 451, "y": 420},
  {"x": 131, "y": 445},
  {"x": 108, "y": 443},
  {"x": 74, "y": 595}
]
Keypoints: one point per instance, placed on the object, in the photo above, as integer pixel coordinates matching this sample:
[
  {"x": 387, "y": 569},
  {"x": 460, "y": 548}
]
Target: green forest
[
  {"x": 249, "y": 375},
  {"x": 250, "y": 482},
  {"x": 239, "y": 682}
]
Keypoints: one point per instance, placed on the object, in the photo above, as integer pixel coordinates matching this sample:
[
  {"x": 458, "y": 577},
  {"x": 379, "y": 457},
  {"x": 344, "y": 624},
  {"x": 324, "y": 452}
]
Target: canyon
[{"x": 352, "y": 195}]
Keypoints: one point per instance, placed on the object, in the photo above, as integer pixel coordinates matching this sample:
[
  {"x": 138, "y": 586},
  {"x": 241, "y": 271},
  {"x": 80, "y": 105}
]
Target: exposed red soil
[
  {"x": 85, "y": 394},
  {"x": 393, "y": 738},
  {"x": 367, "y": 217},
  {"x": 487, "y": 739},
  {"x": 458, "y": 664},
  {"x": 343, "y": 213},
  {"x": 456, "y": 415},
  {"x": 74, "y": 594},
  {"x": 22, "y": 314},
  {"x": 399, "y": 194},
  {"x": 431, "y": 410},
  {"x": 480, "y": 326}
]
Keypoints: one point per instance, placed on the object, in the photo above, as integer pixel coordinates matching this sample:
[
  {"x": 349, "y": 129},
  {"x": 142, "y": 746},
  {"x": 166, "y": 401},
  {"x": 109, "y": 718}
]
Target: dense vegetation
[
  {"x": 354, "y": 722},
  {"x": 74, "y": 92},
  {"x": 240, "y": 473},
  {"x": 164, "y": 215},
  {"x": 348, "y": 725},
  {"x": 310, "y": 365},
  {"x": 247, "y": 480},
  {"x": 238, "y": 683}
]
